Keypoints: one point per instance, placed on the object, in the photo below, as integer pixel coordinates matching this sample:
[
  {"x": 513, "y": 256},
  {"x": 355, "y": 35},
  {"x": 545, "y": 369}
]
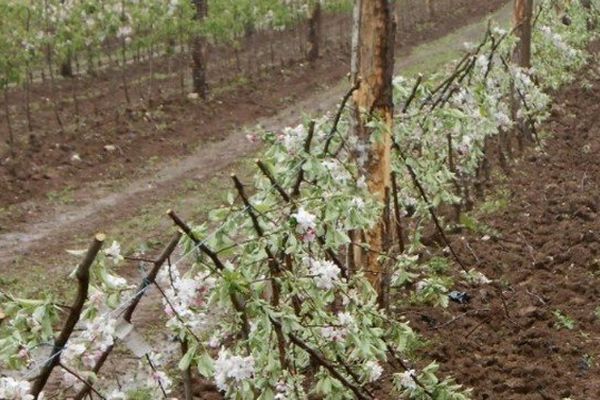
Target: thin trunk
[
  {"x": 74, "y": 89},
  {"x": 53, "y": 89},
  {"x": 124, "y": 71},
  {"x": 151, "y": 79},
  {"x": 314, "y": 32},
  {"x": 199, "y": 52},
  {"x": 179, "y": 58},
  {"x": 11, "y": 135},
  {"x": 28, "y": 100},
  {"x": 373, "y": 66},
  {"x": 28, "y": 80},
  {"x": 51, "y": 72},
  {"x": 66, "y": 68}
]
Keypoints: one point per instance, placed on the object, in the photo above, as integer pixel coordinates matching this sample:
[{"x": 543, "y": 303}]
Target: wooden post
[
  {"x": 199, "y": 52},
  {"x": 372, "y": 69}
]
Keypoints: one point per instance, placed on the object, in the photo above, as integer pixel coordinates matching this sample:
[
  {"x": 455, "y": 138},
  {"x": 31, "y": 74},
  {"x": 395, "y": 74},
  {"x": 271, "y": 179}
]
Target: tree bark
[
  {"x": 314, "y": 32},
  {"x": 522, "y": 14},
  {"x": 199, "y": 52},
  {"x": 372, "y": 68}
]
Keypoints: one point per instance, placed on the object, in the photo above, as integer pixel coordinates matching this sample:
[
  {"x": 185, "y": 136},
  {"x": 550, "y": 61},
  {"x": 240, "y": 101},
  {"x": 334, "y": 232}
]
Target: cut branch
[{"x": 83, "y": 279}]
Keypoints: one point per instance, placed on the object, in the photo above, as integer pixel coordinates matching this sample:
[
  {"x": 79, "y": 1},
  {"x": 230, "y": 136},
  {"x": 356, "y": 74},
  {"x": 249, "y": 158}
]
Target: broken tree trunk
[
  {"x": 199, "y": 52},
  {"x": 522, "y": 14},
  {"x": 372, "y": 69}
]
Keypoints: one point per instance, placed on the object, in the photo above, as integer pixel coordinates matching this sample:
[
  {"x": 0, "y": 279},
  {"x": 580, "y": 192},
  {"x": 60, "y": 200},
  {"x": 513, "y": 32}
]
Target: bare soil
[{"x": 544, "y": 258}]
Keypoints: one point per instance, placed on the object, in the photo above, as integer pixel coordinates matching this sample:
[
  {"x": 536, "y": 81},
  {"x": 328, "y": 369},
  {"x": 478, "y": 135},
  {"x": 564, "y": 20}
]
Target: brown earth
[{"x": 544, "y": 256}]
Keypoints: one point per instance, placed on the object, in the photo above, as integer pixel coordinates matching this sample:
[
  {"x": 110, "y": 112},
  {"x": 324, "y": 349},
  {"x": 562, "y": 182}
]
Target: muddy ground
[{"x": 544, "y": 255}]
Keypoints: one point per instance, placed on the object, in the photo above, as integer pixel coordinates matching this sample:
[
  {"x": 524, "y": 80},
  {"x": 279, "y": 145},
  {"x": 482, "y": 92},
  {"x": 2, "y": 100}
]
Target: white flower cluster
[
  {"x": 306, "y": 224},
  {"x": 12, "y": 389},
  {"x": 188, "y": 296},
  {"x": 84, "y": 351},
  {"x": 337, "y": 171},
  {"x": 325, "y": 273},
  {"x": 293, "y": 138},
  {"x": 283, "y": 390},
  {"x": 374, "y": 370},
  {"x": 232, "y": 369},
  {"x": 339, "y": 332},
  {"x": 114, "y": 252},
  {"x": 558, "y": 42},
  {"x": 407, "y": 379}
]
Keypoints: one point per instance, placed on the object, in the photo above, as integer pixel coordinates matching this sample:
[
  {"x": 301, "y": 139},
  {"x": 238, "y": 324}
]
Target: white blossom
[
  {"x": 12, "y": 389},
  {"x": 161, "y": 379},
  {"x": 293, "y": 138},
  {"x": 407, "y": 379},
  {"x": 283, "y": 391},
  {"x": 337, "y": 171},
  {"x": 114, "y": 252},
  {"x": 358, "y": 203},
  {"x": 230, "y": 368},
  {"x": 334, "y": 334},
  {"x": 116, "y": 395},
  {"x": 345, "y": 319},
  {"x": 114, "y": 281},
  {"x": 374, "y": 370},
  {"x": 306, "y": 224},
  {"x": 325, "y": 274},
  {"x": 421, "y": 285},
  {"x": 73, "y": 351}
]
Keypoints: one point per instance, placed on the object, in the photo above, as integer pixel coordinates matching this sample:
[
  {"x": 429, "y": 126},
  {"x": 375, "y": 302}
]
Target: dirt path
[
  {"x": 49, "y": 228},
  {"x": 544, "y": 254}
]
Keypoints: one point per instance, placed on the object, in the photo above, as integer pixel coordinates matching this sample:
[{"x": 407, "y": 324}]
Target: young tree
[
  {"x": 372, "y": 71},
  {"x": 199, "y": 51}
]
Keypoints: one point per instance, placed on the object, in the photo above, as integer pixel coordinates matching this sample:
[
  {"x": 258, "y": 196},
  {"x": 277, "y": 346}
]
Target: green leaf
[
  {"x": 206, "y": 366},
  {"x": 187, "y": 358}
]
